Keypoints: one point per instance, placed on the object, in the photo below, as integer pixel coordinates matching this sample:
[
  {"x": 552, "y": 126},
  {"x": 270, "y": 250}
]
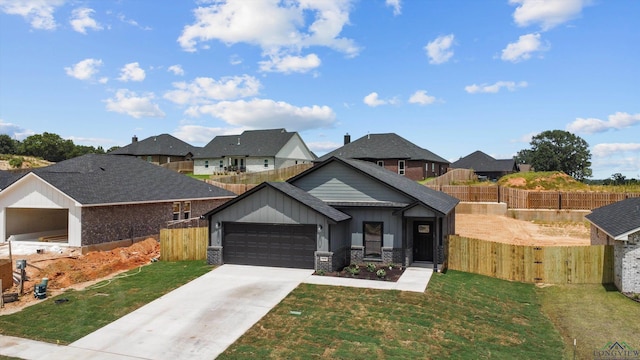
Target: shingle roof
[
  {"x": 249, "y": 143},
  {"x": 481, "y": 162},
  {"x": 383, "y": 146},
  {"x": 295, "y": 193},
  {"x": 107, "y": 179},
  {"x": 163, "y": 144},
  {"x": 436, "y": 200},
  {"x": 618, "y": 218}
]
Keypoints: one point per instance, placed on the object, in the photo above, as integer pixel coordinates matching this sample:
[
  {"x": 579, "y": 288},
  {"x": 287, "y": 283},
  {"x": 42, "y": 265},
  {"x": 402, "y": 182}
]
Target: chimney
[
  {"x": 134, "y": 139},
  {"x": 347, "y": 139}
]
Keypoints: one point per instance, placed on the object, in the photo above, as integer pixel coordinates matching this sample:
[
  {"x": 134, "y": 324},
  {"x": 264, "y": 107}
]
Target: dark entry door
[
  {"x": 423, "y": 241},
  {"x": 269, "y": 245}
]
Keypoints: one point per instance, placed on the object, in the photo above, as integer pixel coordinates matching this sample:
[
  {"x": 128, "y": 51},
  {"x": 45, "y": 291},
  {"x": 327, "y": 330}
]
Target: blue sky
[{"x": 452, "y": 76}]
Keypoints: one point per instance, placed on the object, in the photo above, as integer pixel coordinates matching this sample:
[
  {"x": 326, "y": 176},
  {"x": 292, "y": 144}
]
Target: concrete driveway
[{"x": 200, "y": 319}]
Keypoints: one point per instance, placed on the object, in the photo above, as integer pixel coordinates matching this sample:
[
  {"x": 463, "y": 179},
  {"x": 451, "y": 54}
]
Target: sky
[{"x": 451, "y": 76}]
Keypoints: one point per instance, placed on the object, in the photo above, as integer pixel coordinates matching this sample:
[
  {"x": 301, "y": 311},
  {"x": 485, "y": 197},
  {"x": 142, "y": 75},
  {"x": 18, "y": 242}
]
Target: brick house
[
  {"x": 394, "y": 153},
  {"x": 96, "y": 199},
  {"x": 618, "y": 224},
  {"x": 158, "y": 149}
]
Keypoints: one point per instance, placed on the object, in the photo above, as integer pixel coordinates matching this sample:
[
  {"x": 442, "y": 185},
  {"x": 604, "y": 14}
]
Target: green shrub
[
  {"x": 16, "y": 162},
  {"x": 381, "y": 273},
  {"x": 371, "y": 267}
]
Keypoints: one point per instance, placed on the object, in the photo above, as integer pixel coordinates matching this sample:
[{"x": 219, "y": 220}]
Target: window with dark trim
[
  {"x": 266, "y": 163},
  {"x": 380, "y": 163},
  {"x": 401, "y": 167},
  {"x": 372, "y": 239},
  {"x": 206, "y": 164}
]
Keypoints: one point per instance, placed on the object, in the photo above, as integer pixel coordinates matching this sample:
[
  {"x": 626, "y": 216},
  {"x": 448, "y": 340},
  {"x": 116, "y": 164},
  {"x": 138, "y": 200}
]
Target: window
[
  {"x": 372, "y": 239},
  {"x": 433, "y": 167},
  {"x": 149, "y": 158},
  {"x": 187, "y": 210},
  {"x": 221, "y": 164},
  {"x": 206, "y": 164},
  {"x": 176, "y": 211},
  {"x": 266, "y": 163},
  {"x": 380, "y": 163},
  {"x": 401, "y": 167}
]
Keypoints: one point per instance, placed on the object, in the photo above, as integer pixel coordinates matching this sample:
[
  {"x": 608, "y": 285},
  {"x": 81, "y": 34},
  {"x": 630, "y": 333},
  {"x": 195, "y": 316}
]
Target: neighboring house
[
  {"x": 393, "y": 153},
  {"x": 158, "y": 149},
  {"x": 95, "y": 199},
  {"x": 486, "y": 166},
  {"x": 338, "y": 212},
  {"x": 618, "y": 224},
  {"x": 252, "y": 151}
]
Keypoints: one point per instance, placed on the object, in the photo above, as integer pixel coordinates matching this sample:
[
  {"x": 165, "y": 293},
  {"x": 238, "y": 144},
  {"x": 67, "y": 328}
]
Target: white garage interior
[{"x": 41, "y": 225}]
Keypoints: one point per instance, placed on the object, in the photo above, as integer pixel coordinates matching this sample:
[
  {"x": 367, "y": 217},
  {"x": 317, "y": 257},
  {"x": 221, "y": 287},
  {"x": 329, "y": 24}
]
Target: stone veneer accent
[
  {"x": 214, "y": 255},
  {"x": 627, "y": 264},
  {"x": 391, "y": 255},
  {"x": 327, "y": 265},
  {"x": 356, "y": 255}
]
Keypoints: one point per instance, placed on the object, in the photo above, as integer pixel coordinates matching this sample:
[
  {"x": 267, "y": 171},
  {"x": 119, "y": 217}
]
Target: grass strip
[
  {"x": 460, "y": 316},
  {"x": 593, "y": 315},
  {"x": 88, "y": 310}
]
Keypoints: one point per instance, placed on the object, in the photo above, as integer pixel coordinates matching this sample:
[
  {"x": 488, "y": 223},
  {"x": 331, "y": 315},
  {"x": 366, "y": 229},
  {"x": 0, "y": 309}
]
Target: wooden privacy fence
[
  {"x": 453, "y": 176},
  {"x": 262, "y": 176},
  {"x": 237, "y": 189},
  {"x": 184, "y": 244},
  {"x": 532, "y": 264},
  {"x": 530, "y": 199}
]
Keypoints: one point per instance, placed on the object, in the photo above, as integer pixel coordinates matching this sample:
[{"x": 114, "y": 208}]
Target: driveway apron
[{"x": 200, "y": 319}]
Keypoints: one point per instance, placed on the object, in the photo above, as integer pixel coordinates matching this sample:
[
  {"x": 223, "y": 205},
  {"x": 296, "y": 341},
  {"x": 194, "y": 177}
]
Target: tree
[
  {"x": 618, "y": 179},
  {"x": 8, "y": 145},
  {"x": 48, "y": 146},
  {"x": 558, "y": 150}
]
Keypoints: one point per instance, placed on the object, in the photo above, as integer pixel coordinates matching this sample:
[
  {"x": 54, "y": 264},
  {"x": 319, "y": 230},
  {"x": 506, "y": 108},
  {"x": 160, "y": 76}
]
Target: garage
[{"x": 280, "y": 245}]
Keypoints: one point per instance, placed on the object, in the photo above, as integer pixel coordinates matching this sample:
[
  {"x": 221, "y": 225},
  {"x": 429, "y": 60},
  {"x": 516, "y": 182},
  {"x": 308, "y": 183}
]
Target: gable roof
[
  {"x": 249, "y": 143},
  {"x": 107, "y": 179},
  {"x": 436, "y": 200},
  {"x": 618, "y": 219},
  {"x": 482, "y": 162},
  {"x": 295, "y": 193},
  {"x": 383, "y": 146},
  {"x": 163, "y": 144}
]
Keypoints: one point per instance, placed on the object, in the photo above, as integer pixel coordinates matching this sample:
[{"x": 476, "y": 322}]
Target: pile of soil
[
  {"x": 391, "y": 273},
  {"x": 71, "y": 269}
]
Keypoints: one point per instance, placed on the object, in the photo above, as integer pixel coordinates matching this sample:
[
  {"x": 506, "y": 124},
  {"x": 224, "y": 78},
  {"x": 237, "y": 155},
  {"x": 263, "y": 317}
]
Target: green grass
[
  {"x": 87, "y": 311},
  {"x": 460, "y": 316},
  {"x": 593, "y": 315},
  {"x": 198, "y": 177}
]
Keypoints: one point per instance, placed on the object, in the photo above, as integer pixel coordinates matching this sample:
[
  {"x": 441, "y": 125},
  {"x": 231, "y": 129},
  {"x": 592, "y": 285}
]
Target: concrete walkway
[{"x": 200, "y": 319}]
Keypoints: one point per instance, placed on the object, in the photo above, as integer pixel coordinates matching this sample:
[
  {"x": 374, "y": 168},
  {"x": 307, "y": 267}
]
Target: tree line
[{"x": 48, "y": 146}]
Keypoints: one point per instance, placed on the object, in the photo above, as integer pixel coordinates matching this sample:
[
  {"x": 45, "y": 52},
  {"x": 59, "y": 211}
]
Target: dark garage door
[{"x": 269, "y": 245}]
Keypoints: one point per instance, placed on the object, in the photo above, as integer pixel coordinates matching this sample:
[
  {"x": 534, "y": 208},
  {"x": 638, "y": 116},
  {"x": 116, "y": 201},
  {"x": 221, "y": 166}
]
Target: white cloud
[
  {"x": 277, "y": 27},
  {"x": 617, "y": 121},
  {"x": 85, "y": 69},
  {"x": 132, "y": 72},
  {"x": 198, "y": 134},
  {"x": 204, "y": 90},
  {"x": 81, "y": 20},
  {"x": 610, "y": 149},
  {"x": 235, "y": 59},
  {"x": 128, "y": 102},
  {"x": 14, "y": 131},
  {"x": 523, "y": 48},
  {"x": 395, "y": 4},
  {"x": 439, "y": 50},
  {"x": 39, "y": 13},
  {"x": 289, "y": 64},
  {"x": 266, "y": 113},
  {"x": 421, "y": 97},
  {"x": 494, "y": 88},
  {"x": 176, "y": 69},
  {"x": 547, "y": 13},
  {"x": 373, "y": 100},
  {"x": 132, "y": 22}
]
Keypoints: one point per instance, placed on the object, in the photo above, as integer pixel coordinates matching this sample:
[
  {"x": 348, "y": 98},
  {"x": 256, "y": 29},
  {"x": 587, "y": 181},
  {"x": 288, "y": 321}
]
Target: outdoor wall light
[
  {"x": 218, "y": 224},
  {"x": 319, "y": 228}
]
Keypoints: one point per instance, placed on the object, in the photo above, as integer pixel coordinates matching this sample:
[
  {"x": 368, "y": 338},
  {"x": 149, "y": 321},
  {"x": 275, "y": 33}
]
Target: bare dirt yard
[
  {"x": 508, "y": 230},
  {"x": 67, "y": 268}
]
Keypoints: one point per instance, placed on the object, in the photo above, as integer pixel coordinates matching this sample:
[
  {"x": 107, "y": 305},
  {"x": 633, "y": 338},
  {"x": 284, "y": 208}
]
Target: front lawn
[
  {"x": 593, "y": 315},
  {"x": 89, "y": 310},
  {"x": 460, "y": 316}
]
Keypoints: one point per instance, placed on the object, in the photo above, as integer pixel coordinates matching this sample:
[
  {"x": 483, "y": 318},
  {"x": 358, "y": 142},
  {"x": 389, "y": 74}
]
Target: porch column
[{"x": 436, "y": 240}]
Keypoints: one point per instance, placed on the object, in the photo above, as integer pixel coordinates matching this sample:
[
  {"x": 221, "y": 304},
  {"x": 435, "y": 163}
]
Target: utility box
[{"x": 21, "y": 264}]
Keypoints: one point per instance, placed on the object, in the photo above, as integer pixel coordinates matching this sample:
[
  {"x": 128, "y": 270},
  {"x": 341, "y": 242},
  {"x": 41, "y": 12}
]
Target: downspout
[{"x": 435, "y": 244}]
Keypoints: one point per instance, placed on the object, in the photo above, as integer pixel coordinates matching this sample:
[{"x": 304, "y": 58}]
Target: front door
[{"x": 423, "y": 241}]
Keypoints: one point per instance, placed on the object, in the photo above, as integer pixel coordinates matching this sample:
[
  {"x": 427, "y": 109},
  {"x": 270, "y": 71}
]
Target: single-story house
[
  {"x": 252, "y": 151},
  {"x": 394, "y": 153},
  {"x": 338, "y": 212},
  {"x": 95, "y": 199},
  {"x": 158, "y": 149},
  {"x": 618, "y": 224},
  {"x": 486, "y": 166}
]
